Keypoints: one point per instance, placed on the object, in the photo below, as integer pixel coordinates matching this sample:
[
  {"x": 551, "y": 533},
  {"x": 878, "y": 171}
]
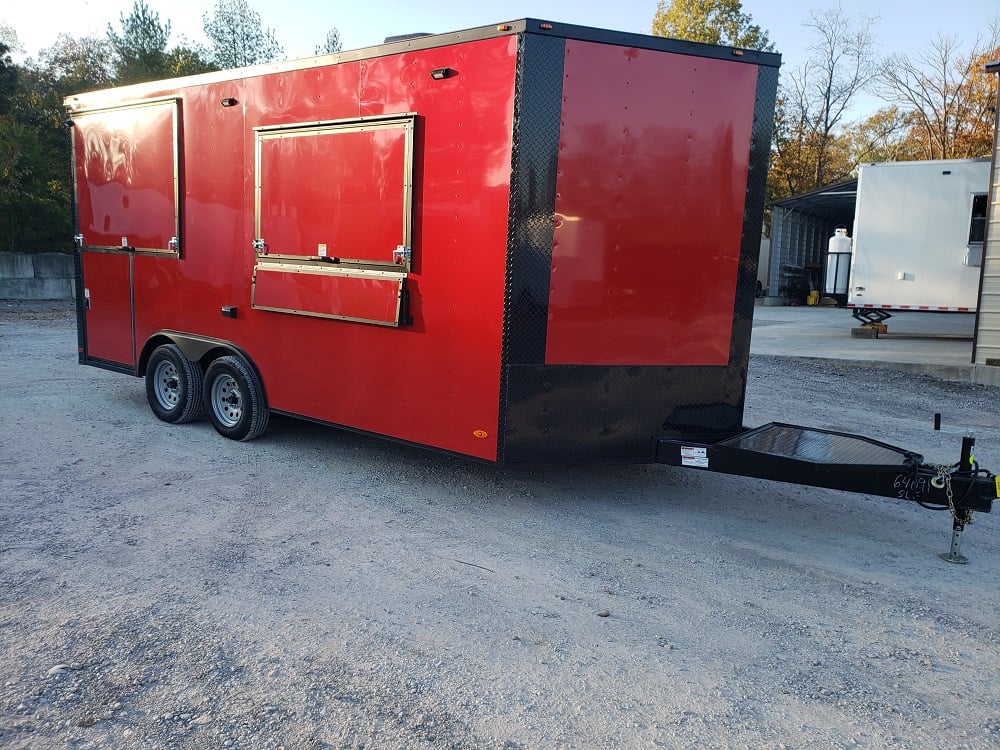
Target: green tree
[
  {"x": 8, "y": 38},
  {"x": 809, "y": 148},
  {"x": 711, "y": 21},
  {"x": 885, "y": 135},
  {"x": 140, "y": 49},
  {"x": 74, "y": 64},
  {"x": 331, "y": 44},
  {"x": 35, "y": 173},
  {"x": 8, "y": 80},
  {"x": 237, "y": 36},
  {"x": 947, "y": 94},
  {"x": 186, "y": 59},
  {"x": 34, "y": 190}
]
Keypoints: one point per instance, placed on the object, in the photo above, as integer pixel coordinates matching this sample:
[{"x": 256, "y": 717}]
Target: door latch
[
  {"x": 259, "y": 245},
  {"x": 401, "y": 255},
  {"x": 78, "y": 240}
]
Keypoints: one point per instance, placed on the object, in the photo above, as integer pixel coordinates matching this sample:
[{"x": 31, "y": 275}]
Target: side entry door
[{"x": 126, "y": 178}]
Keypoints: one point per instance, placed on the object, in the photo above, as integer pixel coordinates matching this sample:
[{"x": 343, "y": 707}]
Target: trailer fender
[{"x": 196, "y": 348}]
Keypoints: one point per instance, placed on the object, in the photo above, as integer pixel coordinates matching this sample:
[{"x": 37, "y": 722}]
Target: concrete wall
[{"x": 36, "y": 277}]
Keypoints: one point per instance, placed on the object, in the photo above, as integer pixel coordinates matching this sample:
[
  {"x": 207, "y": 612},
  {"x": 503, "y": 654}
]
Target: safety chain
[{"x": 943, "y": 479}]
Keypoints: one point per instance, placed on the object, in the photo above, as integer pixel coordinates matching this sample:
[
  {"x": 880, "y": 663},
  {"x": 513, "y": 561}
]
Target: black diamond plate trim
[
  {"x": 753, "y": 216},
  {"x": 81, "y": 328},
  {"x": 535, "y": 152}
]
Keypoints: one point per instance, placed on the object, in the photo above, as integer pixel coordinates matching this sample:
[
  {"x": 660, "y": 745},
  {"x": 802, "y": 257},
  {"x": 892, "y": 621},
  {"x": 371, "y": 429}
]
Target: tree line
[
  {"x": 937, "y": 102},
  {"x": 35, "y": 176}
]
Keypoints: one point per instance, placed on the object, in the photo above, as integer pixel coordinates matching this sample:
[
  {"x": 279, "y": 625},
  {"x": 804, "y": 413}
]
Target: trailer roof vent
[{"x": 405, "y": 37}]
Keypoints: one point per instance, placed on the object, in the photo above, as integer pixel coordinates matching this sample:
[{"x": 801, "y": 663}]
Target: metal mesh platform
[{"x": 819, "y": 446}]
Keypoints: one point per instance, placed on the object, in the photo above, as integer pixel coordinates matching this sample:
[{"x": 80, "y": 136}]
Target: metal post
[
  {"x": 961, "y": 517},
  {"x": 955, "y": 554},
  {"x": 964, "y": 463}
]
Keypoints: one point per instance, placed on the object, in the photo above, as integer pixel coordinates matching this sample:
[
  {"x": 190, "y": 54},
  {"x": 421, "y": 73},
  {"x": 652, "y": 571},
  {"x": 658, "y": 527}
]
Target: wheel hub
[{"x": 227, "y": 401}]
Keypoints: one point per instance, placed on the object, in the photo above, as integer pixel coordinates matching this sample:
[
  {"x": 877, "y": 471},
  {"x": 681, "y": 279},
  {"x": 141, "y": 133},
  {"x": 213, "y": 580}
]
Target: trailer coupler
[{"x": 841, "y": 461}]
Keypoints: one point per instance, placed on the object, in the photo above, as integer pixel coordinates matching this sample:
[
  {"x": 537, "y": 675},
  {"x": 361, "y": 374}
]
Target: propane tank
[{"x": 838, "y": 263}]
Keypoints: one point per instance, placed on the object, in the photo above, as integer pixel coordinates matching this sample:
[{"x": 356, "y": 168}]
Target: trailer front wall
[
  {"x": 650, "y": 197},
  {"x": 629, "y": 317}
]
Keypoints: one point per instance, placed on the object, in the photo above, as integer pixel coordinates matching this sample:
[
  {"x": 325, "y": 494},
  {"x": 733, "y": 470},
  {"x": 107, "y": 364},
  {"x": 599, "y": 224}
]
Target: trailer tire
[
  {"x": 173, "y": 385},
  {"x": 234, "y": 399}
]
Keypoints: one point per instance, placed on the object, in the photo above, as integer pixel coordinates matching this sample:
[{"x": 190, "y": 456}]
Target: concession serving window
[
  {"x": 340, "y": 191},
  {"x": 333, "y": 205},
  {"x": 128, "y": 179}
]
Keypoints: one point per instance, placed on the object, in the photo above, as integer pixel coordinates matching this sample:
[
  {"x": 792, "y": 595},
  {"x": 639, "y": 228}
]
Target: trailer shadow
[{"x": 725, "y": 512}]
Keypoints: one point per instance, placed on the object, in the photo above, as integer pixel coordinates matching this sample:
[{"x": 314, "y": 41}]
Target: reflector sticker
[
  {"x": 998, "y": 485},
  {"x": 480, "y": 434},
  {"x": 691, "y": 456}
]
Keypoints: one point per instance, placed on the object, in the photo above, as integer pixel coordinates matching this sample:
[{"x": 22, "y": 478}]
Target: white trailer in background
[{"x": 918, "y": 237}]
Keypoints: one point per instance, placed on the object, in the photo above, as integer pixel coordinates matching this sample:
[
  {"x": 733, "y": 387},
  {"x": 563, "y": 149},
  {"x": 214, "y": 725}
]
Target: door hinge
[
  {"x": 174, "y": 245},
  {"x": 78, "y": 240},
  {"x": 259, "y": 245}
]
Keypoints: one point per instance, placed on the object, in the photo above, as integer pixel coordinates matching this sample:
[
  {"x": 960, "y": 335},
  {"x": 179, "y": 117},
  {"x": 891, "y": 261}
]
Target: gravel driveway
[{"x": 163, "y": 587}]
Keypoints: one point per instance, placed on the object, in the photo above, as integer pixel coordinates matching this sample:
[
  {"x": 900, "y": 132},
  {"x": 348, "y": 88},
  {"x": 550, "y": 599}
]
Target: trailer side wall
[{"x": 434, "y": 381}]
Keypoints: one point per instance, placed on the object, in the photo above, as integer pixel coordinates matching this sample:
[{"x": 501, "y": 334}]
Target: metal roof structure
[
  {"x": 831, "y": 203},
  {"x": 801, "y": 227}
]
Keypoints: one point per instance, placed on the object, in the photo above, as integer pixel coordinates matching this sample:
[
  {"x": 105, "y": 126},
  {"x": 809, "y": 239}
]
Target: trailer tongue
[{"x": 840, "y": 461}]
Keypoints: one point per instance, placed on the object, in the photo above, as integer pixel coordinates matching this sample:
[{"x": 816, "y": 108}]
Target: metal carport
[{"x": 801, "y": 227}]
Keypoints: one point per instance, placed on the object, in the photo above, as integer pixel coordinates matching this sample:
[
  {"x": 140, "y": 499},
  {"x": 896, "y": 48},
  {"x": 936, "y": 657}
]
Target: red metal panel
[
  {"x": 649, "y": 207},
  {"x": 316, "y": 183},
  {"x": 434, "y": 382},
  {"x": 125, "y": 176},
  {"x": 367, "y": 298},
  {"x": 107, "y": 289}
]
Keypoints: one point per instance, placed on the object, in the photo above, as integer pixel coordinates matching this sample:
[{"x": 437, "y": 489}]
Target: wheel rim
[
  {"x": 227, "y": 401},
  {"x": 167, "y": 385}
]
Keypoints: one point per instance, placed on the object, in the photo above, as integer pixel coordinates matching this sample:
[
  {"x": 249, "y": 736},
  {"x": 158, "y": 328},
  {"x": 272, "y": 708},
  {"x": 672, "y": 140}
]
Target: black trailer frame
[{"x": 841, "y": 461}]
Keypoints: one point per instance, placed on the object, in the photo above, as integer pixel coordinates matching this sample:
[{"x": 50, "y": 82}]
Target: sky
[{"x": 300, "y": 25}]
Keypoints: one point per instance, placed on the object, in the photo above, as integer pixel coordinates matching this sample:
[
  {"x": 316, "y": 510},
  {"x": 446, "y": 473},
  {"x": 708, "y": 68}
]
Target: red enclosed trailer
[{"x": 525, "y": 242}]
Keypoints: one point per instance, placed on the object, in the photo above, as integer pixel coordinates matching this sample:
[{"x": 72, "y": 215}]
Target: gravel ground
[{"x": 161, "y": 587}]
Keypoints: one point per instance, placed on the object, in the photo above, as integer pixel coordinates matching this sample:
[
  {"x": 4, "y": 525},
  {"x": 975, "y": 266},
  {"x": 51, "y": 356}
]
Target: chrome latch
[
  {"x": 259, "y": 245},
  {"x": 402, "y": 254},
  {"x": 78, "y": 239},
  {"x": 174, "y": 245}
]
